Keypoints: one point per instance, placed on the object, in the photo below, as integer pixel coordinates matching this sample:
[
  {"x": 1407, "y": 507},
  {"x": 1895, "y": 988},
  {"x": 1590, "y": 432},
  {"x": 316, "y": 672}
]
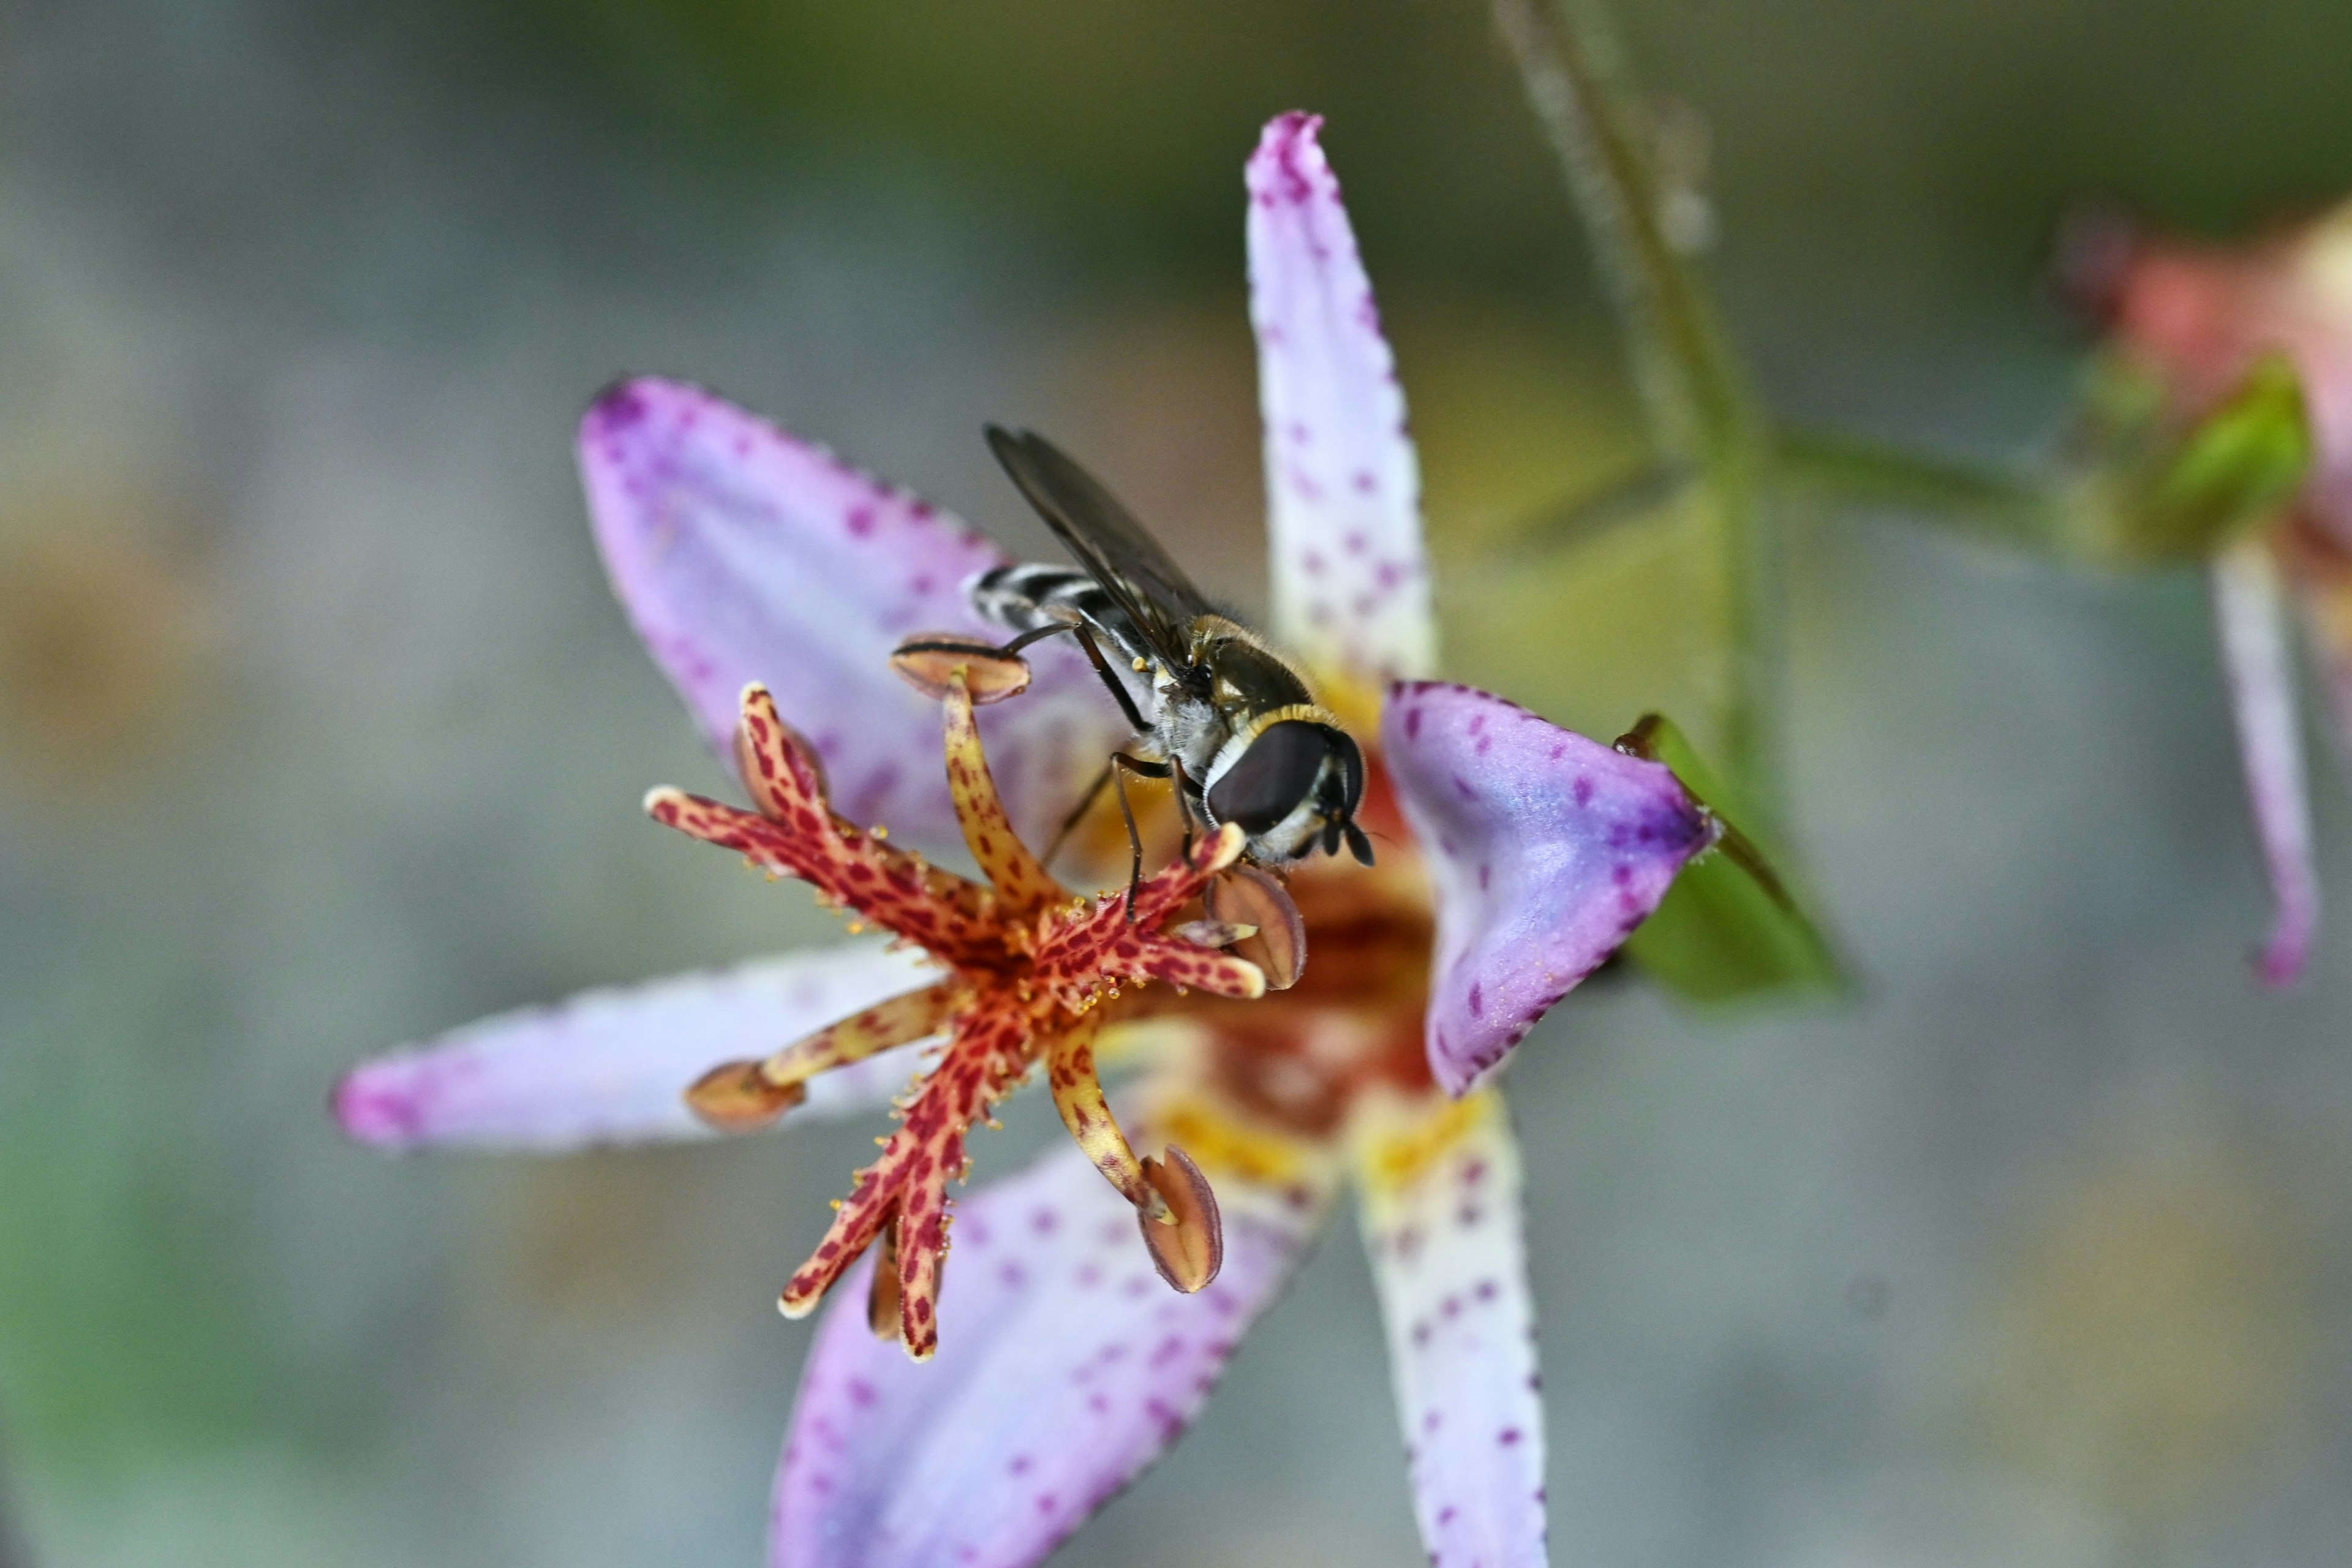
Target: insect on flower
[
  {"x": 1516, "y": 857},
  {"x": 1228, "y": 715}
]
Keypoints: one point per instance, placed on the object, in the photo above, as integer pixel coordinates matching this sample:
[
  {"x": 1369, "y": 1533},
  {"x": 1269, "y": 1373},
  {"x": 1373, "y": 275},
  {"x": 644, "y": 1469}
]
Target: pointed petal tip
[
  {"x": 618, "y": 406},
  {"x": 1548, "y": 849},
  {"x": 740, "y": 550},
  {"x": 1351, "y": 591},
  {"x": 2280, "y": 964},
  {"x": 2250, "y": 614},
  {"x": 608, "y": 1066},
  {"x": 374, "y": 1103},
  {"x": 1292, "y": 141}
]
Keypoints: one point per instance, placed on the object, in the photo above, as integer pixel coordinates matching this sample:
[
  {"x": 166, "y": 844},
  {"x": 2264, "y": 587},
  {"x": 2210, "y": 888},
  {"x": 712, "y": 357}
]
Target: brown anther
[
  {"x": 1187, "y": 1243},
  {"x": 882, "y": 1295},
  {"x": 930, "y": 661},
  {"x": 1244, "y": 896},
  {"x": 736, "y": 1096}
]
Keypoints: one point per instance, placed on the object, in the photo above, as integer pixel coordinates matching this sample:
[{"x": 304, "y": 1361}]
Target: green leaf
[
  {"x": 2151, "y": 496},
  {"x": 1729, "y": 928},
  {"x": 2239, "y": 465}
]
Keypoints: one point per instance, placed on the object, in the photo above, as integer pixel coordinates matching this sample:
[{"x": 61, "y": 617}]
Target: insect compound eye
[
  {"x": 1266, "y": 782},
  {"x": 1352, "y": 772}
]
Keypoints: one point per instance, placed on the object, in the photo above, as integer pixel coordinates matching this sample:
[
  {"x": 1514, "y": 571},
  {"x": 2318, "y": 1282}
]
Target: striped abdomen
[{"x": 1022, "y": 598}]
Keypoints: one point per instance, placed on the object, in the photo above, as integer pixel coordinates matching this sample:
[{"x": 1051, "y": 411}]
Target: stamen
[
  {"x": 1188, "y": 1243},
  {"x": 1019, "y": 880},
  {"x": 990, "y": 674},
  {"x": 737, "y": 1097},
  {"x": 1078, "y": 1096},
  {"x": 1247, "y": 897},
  {"x": 1032, "y": 965},
  {"x": 880, "y": 1027}
]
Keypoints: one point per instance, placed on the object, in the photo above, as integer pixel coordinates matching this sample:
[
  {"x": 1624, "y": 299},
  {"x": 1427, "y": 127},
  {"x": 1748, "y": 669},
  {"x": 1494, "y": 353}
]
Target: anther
[
  {"x": 736, "y": 1096},
  {"x": 929, "y": 663},
  {"x": 1187, "y": 1239},
  {"x": 1245, "y": 896}
]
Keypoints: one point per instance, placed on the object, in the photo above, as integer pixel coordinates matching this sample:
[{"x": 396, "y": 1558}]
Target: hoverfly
[{"x": 1212, "y": 704}]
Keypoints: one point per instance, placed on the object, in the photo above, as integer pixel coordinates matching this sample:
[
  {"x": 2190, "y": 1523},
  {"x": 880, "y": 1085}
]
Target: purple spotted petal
[
  {"x": 613, "y": 1067},
  {"x": 744, "y": 553},
  {"x": 2249, "y": 616},
  {"x": 1343, "y": 489},
  {"x": 1448, "y": 1253},
  {"x": 1066, "y": 1365},
  {"x": 1547, "y": 848}
]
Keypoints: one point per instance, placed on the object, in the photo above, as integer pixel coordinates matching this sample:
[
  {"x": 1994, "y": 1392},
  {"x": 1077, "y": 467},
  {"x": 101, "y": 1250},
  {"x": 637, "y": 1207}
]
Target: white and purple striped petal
[
  {"x": 1343, "y": 488},
  {"x": 2249, "y": 612},
  {"x": 1441, "y": 1221},
  {"x": 1547, "y": 849},
  {"x": 613, "y": 1067},
  {"x": 1065, "y": 1367},
  {"x": 745, "y": 553}
]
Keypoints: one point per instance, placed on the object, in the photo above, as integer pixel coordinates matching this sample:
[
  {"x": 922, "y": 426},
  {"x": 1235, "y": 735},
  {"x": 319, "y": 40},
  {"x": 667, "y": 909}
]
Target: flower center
[{"x": 1030, "y": 964}]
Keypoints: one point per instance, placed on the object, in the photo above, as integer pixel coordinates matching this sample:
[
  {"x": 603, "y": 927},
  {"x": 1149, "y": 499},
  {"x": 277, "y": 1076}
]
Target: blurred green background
[{"x": 319, "y": 731}]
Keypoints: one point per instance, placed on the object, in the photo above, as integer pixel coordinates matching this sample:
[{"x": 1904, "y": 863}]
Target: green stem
[
  {"x": 1700, "y": 410},
  {"x": 1844, "y": 472}
]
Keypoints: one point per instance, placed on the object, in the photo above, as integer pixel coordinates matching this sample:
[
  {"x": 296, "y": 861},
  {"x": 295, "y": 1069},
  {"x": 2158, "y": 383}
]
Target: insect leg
[
  {"x": 1038, "y": 634},
  {"x": 1094, "y": 655},
  {"x": 1183, "y": 806},
  {"x": 1122, "y": 764},
  {"x": 1117, "y": 687}
]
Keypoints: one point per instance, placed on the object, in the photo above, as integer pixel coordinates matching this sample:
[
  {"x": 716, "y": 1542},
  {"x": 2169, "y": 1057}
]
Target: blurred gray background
[{"x": 319, "y": 731}]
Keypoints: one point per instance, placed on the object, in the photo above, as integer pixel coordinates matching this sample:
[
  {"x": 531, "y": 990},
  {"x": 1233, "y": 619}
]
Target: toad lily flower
[
  {"x": 1515, "y": 857},
  {"x": 2227, "y": 394}
]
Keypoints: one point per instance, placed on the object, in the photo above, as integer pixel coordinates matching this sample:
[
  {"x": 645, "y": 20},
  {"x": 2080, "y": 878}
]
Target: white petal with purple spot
[
  {"x": 1547, "y": 849},
  {"x": 2250, "y": 613},
  {"x": 1066, "y": 1365},
  {"x": 613, "y": 1067},
  {"x": 1343, "y": 488},
  {"x": 744, "y": 553},
  {"x": 1448, "y": 1252}
]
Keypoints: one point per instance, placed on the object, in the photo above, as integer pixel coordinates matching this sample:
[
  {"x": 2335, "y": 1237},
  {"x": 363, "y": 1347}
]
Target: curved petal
[
  {"x": 744, "y": 553},
  {"x": 1065, "y": 1367},
  {"x": 1343, "y": 488},
  {"x": 613, "y": 1067},
  {"x": 1441, "y": 1221},
  {"x": 2249, "y": 616},
  {"x": 1547, "y": 850}
]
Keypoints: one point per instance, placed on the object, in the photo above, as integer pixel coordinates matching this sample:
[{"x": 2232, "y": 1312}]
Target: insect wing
[{"x": 1108, "y": 541}]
